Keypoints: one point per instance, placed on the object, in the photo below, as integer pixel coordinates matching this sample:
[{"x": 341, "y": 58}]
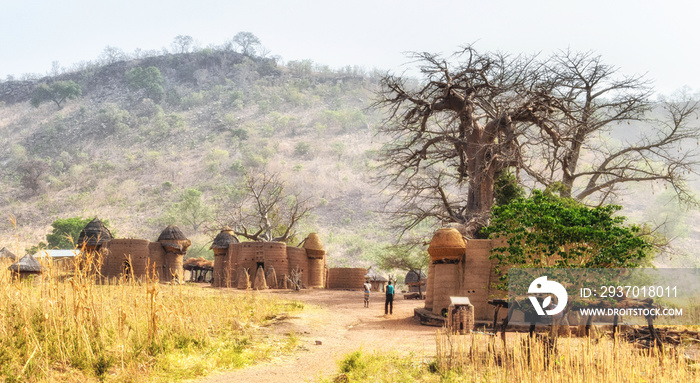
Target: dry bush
[{"x": 525, "y": 359}]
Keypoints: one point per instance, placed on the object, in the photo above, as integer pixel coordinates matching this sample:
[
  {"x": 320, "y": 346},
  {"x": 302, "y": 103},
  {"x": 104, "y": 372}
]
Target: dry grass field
[{"x": 70, "y": 329}]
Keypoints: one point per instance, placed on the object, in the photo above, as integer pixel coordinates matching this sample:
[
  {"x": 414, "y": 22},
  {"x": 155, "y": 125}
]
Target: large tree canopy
[
  {"x": 546, "y": 230},
  {"x": 475, "y": 115}
]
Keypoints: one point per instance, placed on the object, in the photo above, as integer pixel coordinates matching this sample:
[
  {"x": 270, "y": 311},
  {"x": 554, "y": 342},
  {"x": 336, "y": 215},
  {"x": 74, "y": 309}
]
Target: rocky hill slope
[{"x": 124, "y": 152}]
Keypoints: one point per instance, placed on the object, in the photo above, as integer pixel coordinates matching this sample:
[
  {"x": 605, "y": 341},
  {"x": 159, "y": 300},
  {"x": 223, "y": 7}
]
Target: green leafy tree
[
  {"x": 64, "y": 234},
  {"x": 406, "y": 258},
  {"x": 248, "y": 42},
  {"x": 58, "y": 92},
  {"x": 183, "y": 43},
  {"x": 147, "y": 80},
  {"x": 546, "y": 230},
  {"x": 506, "y": 188},
  {"x": 191, "y": 210}
]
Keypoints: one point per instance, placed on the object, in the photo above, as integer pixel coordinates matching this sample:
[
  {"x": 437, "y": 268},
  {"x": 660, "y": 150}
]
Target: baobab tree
[
  {"x": 595, "y": 101},
  {"x": 475, "y": 115},
  {"x": 452, "y": 135}
]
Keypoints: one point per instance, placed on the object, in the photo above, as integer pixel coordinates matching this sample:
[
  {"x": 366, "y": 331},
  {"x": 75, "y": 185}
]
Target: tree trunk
[{"x": 481, "y": 170}]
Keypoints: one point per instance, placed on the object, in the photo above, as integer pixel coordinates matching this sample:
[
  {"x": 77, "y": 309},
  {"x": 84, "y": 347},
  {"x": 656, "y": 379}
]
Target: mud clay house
[
  {"x": 136, "y": 257},
  {"x": 347, "y": 278},
  {"x": 460, "y": 268},
  {"x": 376, "y": 280},
  {"x": 238, "y": 264}
]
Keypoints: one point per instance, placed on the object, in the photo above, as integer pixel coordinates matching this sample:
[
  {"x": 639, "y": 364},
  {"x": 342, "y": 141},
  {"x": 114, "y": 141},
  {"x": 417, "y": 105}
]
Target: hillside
[
  {"x": 127, "y": 151},
  {"x": 117, "y": 154}
]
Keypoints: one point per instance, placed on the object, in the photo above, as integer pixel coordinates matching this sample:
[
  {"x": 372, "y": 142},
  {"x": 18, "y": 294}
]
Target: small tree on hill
[
  {"x": 182, "y": 43},
  {"x": 191, "y": 210},
  {"x": 58, "y": 92},
  {"x": 147, "y": 80},
  {"x": 248, "y": 42}
]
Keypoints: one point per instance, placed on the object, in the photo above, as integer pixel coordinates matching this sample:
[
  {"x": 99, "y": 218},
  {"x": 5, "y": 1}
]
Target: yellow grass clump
[{"x": 68, "y": 328}]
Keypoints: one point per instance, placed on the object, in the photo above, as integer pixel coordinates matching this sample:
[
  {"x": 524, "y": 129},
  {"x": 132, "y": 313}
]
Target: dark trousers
[{"x": 389, "y": 304}]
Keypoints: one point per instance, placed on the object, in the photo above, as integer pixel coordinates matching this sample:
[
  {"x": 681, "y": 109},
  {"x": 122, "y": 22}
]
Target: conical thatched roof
[
  {"x": 7, "y": 254},
  {"x": 95, "y": 233},
  {"x": 172, "y": 236},
  {"x": 412, "y": 277},
  {"x": 374, "y": 276},
  {"x": 26, "y": 264},
  {"x": 224, "y": 239}
]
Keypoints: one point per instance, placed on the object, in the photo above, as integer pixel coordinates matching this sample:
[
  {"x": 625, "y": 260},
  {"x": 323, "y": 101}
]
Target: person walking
[
  {"x": 389, "y": 302},
  {"x": 368, "y": 288}
]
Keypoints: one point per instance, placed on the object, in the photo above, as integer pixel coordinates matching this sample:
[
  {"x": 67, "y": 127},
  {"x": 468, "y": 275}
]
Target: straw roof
[
  {"x": 197, "y": 264},
  {"x": 412, "y": 277},
  {"x": 94, "y": 233},
  {"x": 374, "y": 276},
  {"x": 313, "y": 242},
  {"x": 26, "y": 264},
  {"x": 224, "y": 239},
  {"x": 174, "y": 237},
  {"x": 7, "y": 254}
]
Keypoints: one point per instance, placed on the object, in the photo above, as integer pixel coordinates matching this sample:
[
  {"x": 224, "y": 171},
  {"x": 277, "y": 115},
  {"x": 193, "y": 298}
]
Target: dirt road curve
[{"x": 340, "y": 322}]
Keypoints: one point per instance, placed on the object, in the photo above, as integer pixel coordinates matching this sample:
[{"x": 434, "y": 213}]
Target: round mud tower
[
  {"x": 446, "y": 283},
  {"x": 430, "y": 287}
]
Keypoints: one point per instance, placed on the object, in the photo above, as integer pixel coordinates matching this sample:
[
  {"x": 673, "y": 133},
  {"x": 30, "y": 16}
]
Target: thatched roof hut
[
  {"x": 224, "y": 239},
  {"x": 174, "y": 240},
  {"x": 374, "y": 276},
  {"x": 412, "y": 277},
  {"x": 94, "y": 234},
  {"x": 7, "y": 255},
  {"x": 26, "y": 265},
  {"x": 197, "y": 264}
]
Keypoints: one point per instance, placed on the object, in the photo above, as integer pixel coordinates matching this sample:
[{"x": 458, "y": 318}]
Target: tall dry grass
[
  {"x": 524, "y": 359},
  {"x": 66, "y": 327}
]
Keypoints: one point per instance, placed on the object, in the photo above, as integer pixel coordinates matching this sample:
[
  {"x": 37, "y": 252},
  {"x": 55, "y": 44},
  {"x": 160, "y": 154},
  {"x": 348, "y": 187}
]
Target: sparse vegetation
[
  {"x": 70, "y": 329},
  {"x": 482, "y": 358}
]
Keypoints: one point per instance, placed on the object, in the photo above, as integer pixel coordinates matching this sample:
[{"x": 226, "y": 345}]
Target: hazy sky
[{"x": 653, "y": 37}]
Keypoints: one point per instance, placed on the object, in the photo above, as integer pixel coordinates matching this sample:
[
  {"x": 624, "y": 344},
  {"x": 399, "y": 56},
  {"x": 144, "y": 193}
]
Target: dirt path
[{"x": 340, "y": 322}]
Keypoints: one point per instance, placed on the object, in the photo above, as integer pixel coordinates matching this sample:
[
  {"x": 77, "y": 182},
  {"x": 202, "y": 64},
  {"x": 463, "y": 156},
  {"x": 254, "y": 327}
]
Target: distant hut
[
  {"x": 377, "y": 281},
  {"x": 6, "y": 256},
  {"x": 200, "y": 269},
  {"x": 26, "y": 266},
  {"x": 94, "y": 235},
  {"x": 175, "y": 245},
  {"x": 413, "y": 283},
  {"x": 221, "y": 264}
]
